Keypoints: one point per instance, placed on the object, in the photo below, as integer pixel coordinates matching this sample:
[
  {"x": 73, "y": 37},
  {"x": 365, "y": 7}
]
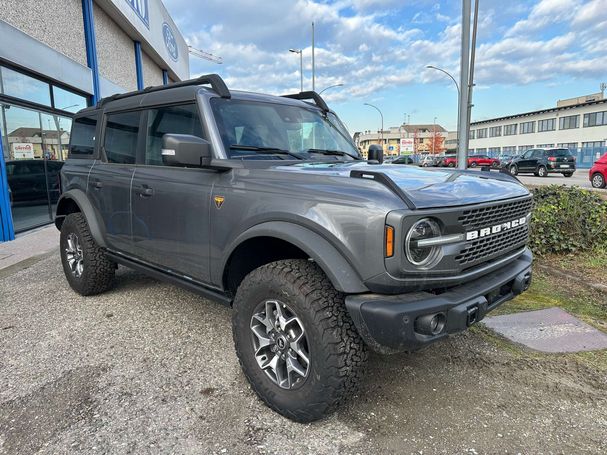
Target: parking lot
[{"x": 150, "y": 368}]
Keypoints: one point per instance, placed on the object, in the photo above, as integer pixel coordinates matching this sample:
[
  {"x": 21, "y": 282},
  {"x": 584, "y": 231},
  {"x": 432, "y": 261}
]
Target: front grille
[
  {"x": 486, "y": 247},
  {"x": 494, "y": 245},
  {"x": 490, "y": 216}
]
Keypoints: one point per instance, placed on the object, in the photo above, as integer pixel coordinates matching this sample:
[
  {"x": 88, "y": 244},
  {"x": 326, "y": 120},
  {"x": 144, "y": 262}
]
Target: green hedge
[{"x": 567, "y": 219}]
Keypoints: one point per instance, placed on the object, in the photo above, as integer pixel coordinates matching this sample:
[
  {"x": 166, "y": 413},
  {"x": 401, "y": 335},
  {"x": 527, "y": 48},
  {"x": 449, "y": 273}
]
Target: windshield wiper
[
  {"x": 265, "y": 150},
  {"x": 328, "y": 152}
]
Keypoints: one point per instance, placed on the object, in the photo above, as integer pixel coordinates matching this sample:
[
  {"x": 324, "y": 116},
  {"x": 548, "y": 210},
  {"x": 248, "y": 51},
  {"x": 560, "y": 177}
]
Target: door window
[
  {"x": 169, "y": 120},
  {"x": 120, "y": 143}
]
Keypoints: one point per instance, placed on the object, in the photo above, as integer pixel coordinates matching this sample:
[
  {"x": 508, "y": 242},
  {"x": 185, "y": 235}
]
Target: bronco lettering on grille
[{"x": 479, "y": 233}]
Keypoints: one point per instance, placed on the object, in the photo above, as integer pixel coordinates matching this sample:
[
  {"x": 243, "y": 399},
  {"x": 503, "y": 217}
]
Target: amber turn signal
[{"x": 389, "y": 241}]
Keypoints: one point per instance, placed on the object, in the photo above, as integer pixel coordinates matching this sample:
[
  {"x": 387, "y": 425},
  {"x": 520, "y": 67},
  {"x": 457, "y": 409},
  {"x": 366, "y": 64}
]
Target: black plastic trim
[
  {"x": 382, "y": 178},
  {"x": 310, "y": 96}
]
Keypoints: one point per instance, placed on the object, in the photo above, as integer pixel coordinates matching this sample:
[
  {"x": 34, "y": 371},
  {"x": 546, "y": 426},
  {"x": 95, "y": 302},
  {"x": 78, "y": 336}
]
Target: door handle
[
  {"x": 146, "y": 191},
  {"x": 97, "y": 184}
]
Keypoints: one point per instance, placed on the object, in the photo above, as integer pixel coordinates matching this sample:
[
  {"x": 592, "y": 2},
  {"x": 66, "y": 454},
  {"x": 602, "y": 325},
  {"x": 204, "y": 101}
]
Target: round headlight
[{"x": 423, "y": 256}]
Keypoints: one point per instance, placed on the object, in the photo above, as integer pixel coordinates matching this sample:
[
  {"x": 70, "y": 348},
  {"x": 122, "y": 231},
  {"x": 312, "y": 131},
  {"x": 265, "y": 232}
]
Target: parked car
[
  {"x": 504, "y": 159},
  {"x": 542, "y": 162},
  {"x": 598, "y": 173},
  {"x": 265, "y": 205},
  {"x": 28, "y": 181},
  {"x": 482, "y": 160},
  {"x": 448, "y": 161},
  {"x": 427, "y": 161},
  {"x": 403, "y": 159}
]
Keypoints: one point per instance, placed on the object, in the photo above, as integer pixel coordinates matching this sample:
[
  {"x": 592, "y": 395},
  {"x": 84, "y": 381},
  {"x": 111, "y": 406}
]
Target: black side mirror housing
[
  {"x": 185, "y": 150},
  {"x": 376, "y": 153}
]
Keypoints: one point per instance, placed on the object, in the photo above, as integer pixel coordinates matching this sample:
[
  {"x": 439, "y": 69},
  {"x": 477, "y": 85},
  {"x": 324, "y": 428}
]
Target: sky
[{"x": 530, "y": 53}]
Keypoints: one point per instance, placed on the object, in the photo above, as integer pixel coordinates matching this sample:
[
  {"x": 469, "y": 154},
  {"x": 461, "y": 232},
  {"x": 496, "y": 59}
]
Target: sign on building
[
  {"x": 406, "y": 145},
  {"x": 23, "y": 150}
]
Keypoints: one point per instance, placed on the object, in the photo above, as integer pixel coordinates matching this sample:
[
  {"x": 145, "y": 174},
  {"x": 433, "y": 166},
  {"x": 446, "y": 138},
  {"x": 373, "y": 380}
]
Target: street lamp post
[
  {"x": 382, "y": 123},
  {"x": 330, "y": 86},
  {"x": 300, "y": 52},
  {"x": 458, "y": 94},
  {"x": 433, "y": 135}
]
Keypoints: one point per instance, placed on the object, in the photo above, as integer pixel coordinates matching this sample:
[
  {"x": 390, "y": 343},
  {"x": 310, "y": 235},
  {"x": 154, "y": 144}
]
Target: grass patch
[{"x": 591, "y": 265}]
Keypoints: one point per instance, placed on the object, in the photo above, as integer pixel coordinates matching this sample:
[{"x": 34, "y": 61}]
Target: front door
[
  {"x": 109, "y": 185},
  {"x": 526, "y": 163},
  {"x": 170, "y": 205}
]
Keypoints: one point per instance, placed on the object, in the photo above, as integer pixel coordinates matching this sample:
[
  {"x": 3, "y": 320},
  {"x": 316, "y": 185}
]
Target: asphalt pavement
[{"x": 150, "y": 368}]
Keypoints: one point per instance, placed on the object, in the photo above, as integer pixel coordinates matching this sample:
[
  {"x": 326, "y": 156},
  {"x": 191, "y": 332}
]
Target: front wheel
[
  {"x": 473, "y": 164},
  {"x": 598, "y": 181},
  {"x": 295, "y": 340},
  {"x": 451, "y": 165}
]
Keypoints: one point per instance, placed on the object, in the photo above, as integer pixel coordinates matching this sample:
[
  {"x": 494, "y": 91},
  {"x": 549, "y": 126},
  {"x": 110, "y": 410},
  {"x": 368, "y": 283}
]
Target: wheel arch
[
  {"x": 74, "y": 201},
  {"x": 273, "y": 241}
]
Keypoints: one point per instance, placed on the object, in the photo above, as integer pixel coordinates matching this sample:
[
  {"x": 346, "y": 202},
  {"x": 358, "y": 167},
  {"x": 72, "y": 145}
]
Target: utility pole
[
  {"x": 313, "y": 63},
  {"x": 464, "y": 83},
  {"x": 433, "y": 135},
  {"x": 471, "y": 81}
]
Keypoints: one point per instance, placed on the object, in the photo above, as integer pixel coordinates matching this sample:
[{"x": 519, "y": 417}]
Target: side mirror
[
  {"x": 376, "y": 153},
  {"x": 185, "y": 150}
]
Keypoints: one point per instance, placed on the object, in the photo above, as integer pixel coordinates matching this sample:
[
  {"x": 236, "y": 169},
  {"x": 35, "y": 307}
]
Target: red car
[
  {"x": 473, "y": 161},
  {"x": 598, "y": 172}
]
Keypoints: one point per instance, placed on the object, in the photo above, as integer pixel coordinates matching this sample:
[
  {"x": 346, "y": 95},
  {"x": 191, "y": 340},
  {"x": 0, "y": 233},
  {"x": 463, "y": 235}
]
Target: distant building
[
  {"x": 421, "y": 137},
  {"x": 579, "y": 124}
]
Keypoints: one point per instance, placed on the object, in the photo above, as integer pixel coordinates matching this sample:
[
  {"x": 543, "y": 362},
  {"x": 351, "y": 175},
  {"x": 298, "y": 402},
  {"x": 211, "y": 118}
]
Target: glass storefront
[{"x": 35, "y": 143}]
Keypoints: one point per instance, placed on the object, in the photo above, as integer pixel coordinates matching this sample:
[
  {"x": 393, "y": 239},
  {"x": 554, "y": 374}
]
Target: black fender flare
[
  {"x": 340, "y": 272},
  {"x": 86, "y": 208}
]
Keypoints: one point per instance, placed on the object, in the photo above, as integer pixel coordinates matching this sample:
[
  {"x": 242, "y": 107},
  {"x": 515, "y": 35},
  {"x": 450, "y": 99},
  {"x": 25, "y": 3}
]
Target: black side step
[
  {"x": 173, "y": 278},
  {"x": 382, "y": 178}
]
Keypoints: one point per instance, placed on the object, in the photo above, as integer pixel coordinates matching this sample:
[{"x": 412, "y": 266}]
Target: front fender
[
  {"x": 93, "y": 218},
  {"x": 341, "y": 273}
]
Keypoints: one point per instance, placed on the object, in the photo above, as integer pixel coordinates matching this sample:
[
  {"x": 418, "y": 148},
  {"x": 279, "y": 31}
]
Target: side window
[
  {"x": 171, "y": 119},
  {"x": 120, "y": 141},
  {"x": 83, "y": 136}
]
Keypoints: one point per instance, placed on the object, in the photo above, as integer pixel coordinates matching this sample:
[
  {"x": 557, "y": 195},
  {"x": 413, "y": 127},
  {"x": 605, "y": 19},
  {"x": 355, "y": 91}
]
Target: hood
[{"x": 427, "y": 188}]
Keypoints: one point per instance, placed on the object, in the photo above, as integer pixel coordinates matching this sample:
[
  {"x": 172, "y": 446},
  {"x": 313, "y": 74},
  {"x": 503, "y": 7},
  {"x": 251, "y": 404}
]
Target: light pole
[
  {"x": 300, "y": 52},
  {"x": 382, "y": 123},
  {"x": 330, "y": 86},
  {"x": 313, "y": 62},
  {"x": 433, "y": 135},
  {"x": 458, "y": 93}
]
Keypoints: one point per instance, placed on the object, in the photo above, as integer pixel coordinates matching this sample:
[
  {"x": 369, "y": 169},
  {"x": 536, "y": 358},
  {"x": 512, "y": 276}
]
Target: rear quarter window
[{"x": 82, "y": 142}]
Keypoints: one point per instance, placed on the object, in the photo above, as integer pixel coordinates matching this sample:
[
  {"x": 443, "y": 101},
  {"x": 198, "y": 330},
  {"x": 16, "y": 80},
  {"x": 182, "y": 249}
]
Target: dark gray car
[{"x": 263, "y": 203}]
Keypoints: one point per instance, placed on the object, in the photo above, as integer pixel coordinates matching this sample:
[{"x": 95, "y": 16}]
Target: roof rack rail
[
  {"x": 214, "y": 80},
  {"x": 310, "y": 96}
]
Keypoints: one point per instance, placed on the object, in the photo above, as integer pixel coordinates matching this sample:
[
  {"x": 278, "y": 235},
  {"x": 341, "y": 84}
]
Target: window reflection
[
  {"x": 25, "y": 87},
  {"x": 68, "y": 101}
]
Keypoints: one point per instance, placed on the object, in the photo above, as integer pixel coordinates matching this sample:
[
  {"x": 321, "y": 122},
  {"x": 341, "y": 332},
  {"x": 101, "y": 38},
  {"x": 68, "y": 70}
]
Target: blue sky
[{"x": 530, "y": 53}]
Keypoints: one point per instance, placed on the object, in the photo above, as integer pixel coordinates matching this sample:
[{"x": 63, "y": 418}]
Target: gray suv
[{"x": 263, "y": 203}]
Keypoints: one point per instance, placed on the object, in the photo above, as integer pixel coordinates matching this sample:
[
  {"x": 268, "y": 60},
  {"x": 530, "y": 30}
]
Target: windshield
[{"x": 259, "y": 130}]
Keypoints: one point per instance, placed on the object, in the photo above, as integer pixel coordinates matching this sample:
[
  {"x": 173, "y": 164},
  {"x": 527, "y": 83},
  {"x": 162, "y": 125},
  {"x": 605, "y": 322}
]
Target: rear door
[
  {"x": 109, "y": 184},
  {"x": 170, "y": 205}
]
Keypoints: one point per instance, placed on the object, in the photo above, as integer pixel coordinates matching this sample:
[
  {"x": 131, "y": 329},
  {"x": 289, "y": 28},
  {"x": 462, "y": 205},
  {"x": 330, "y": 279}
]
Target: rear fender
[{"x": 94, "y": 220}]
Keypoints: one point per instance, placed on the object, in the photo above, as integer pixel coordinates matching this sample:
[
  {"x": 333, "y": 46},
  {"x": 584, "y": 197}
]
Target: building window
[
  {"x": 510, "y": 130},
  {"x": 572, "y": 146},
  {"x": 522, "y": 148},
  {"x": 509, "y": 149},
  {"x": 570, "y": 122},
  {"x": 545, "y": 146},
  {"x": 481, "y": 133},
  {"x": 545, "y": 125},
  {"x": 68, "y": 101},
  {"x": 527, "y": 127},
  {"x": 595, "y": 119},
  {"x": 472, "y": 134},
  {"x": 494, "y": 150},
  {"x": 495, "y": 131},
  {"x": 480, "y": 151},
  {"x": 25, "y": 87},
  {"x": 592, "y": 145}
]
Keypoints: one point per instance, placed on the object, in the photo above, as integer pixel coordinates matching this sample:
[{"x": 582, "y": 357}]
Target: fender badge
[{"x": 219, "y": 201}]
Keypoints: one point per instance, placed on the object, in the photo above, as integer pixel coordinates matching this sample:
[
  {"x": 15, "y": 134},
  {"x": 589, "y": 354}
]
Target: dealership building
[
  {"x": 57, "y": 57},
  {"x": 579, "y": 124}
]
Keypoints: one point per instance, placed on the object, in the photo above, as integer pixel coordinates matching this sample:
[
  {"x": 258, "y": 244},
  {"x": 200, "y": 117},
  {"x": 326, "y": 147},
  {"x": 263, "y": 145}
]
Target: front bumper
[{"x": 395, "y": 323}]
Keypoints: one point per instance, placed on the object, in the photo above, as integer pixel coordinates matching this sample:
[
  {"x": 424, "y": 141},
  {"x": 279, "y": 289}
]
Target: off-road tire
[
  {"x": 337, "y": 353},
  {"x": 598, "y": 181},
  {"x": 98, "y": 271}
]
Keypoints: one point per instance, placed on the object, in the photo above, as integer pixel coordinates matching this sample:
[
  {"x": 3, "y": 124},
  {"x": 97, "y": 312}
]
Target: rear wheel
[
  {"x": 495, "y": 164},
  {"x": 598, "y": 181},
  {"x": 514, "y": 169},
  {"x": 87, "y": 269},
  {"x": 295, "y": 340},
  {"x": 568, "y": 174},
  {"x": 542, "y": 171}
]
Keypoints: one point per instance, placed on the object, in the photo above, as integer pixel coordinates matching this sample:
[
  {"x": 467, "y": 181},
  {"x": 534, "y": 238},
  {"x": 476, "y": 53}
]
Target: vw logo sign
[{"x": 169, "y": 41}]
